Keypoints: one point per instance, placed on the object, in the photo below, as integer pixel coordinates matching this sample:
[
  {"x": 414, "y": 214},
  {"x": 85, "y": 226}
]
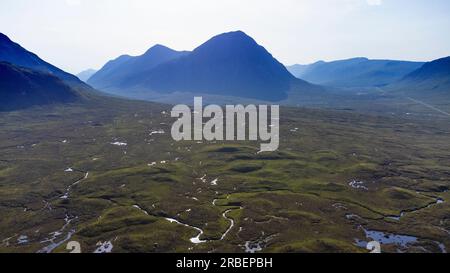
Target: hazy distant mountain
[
  {"x": 430, "y": 79},
  {"x": 298, "y": 69},
  {"x": 117, "y": 73},
  {"x": 230, "y": 64},
  {"x": 357, "y": 72},
  {"x": 13, "y": 53},
  {"x": 86, "y": 74},
  {"x": 23, "y": 87}
]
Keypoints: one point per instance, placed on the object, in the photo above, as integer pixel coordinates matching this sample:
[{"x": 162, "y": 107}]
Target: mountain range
[
  {"x": 229, "y": 64},
  {"x": 355, "y": 72},
  {"x": 119, "y": 72}
]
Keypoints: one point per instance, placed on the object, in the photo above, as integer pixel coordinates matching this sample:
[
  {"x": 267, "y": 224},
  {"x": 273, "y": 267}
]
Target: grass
[{"x": 293, "y": 200}]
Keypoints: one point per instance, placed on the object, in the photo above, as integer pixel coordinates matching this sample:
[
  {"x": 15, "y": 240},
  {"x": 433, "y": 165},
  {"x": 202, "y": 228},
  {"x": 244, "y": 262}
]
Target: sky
[{"x": 79, "y": 34}]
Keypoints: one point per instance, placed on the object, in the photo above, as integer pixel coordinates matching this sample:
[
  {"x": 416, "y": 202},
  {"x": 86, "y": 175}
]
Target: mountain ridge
[
  {"x": 22, "y": 87},
  {"x": 14, "y": 53},
  {"x": 117, "y": 71},
  {"x": 355, "y": 72},
  {"x": 228, "y": 64}
]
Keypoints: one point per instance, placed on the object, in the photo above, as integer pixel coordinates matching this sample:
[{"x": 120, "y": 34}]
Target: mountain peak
[
  {"x": 235, "y": 44},
  {"x": 233, "y": 36},
  {"x": 158, "y": 48},
  {"x": 123, "y": 57}
]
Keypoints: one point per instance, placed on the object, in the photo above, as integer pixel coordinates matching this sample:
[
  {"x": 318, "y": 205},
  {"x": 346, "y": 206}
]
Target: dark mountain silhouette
[
  {"x": 117, "y": 73},
  {"x": 356, "y": 72},
  {"x": 13, "y": 53},
  {"x": 431, "y": 79},
  {"x": 231, "y": 64},
  {"x": 86, "y": 74},
  {"x": 23, "y": 87}
]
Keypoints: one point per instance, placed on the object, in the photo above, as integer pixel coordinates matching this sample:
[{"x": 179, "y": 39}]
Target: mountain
[
  {"x": 117, "y": 73},
  {"x": 12, "y": 52},
  {"x": 436, "y": 70},
  {"x": 86, "y": 74},
  {"x": 230, "y": 64},
  {"x": 356, "y": 72},
  {"x": 298, "y": 69},
  {"x": 23, "y": 87},
  {"x": 430, "y": 79}
]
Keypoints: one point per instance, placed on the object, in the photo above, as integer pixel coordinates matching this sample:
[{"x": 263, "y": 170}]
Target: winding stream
[
  {"x": 404, "y": 212},
  {"x": 224, "y": 215},
  {"x": 231, "y": 223},
  {"x": 53, "y": 242},
  {"x": 196, "y": 239}
]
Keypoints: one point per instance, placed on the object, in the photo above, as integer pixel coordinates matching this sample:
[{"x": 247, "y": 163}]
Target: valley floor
[{"x": 109, "y": 176}]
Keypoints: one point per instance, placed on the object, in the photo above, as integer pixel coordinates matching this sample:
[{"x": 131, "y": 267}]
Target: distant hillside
[
  {"x": 23, "y": 87},
  {"x": 432, "y": 78},
  {"x": 118, "y": 73},
  {"x": 13, "y": 53},
  {"x": 357, "y": 72},
  {"x": 298, "y": 69},
  {"x": 86, "y": 74},
  {"x": 230, "y": 64}
]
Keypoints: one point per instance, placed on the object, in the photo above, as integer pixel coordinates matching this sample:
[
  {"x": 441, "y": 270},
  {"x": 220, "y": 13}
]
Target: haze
[{"x": 80, "y": 34}]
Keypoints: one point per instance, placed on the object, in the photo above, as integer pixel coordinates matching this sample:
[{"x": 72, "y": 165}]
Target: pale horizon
[{"x": 76, "y": 35}]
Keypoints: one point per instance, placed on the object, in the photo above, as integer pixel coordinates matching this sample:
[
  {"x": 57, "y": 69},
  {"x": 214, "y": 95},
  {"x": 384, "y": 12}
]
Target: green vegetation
[{"x": 338, "y": 172}]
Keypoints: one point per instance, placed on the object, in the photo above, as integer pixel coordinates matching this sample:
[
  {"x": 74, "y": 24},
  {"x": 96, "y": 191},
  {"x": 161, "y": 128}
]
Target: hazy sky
[{"x": 80, "y": 34}]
